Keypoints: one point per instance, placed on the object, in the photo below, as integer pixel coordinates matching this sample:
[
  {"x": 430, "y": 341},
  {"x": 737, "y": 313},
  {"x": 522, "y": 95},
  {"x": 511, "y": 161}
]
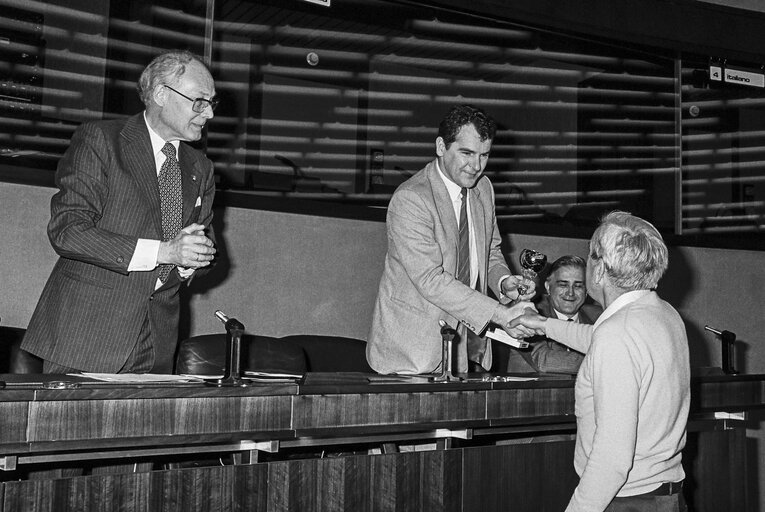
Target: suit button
[
  {"x": 120, "y": 259},
  {"x": 151, "y": 297}
]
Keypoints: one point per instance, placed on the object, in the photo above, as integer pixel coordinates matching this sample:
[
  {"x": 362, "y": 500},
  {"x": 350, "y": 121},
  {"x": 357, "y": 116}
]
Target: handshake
[{"x": 520, "y": 320}]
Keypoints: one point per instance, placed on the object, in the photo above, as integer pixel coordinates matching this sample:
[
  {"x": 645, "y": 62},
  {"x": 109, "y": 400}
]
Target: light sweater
[{"x": 632, "y": 399}]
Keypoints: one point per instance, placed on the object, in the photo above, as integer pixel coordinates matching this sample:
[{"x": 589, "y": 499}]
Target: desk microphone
[
  {"x": 447, "y": 337},
  {"x": 232, "y": 375},
  {"x": 446, "y": 330},
  {"x": 230, "y": 323},
  {"x": 728, "y": 349}
]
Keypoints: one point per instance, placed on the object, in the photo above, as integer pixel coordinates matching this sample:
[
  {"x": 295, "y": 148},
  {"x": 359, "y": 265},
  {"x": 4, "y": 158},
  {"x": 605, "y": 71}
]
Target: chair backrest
[
  {"x": 12, "y": 358},
  {"x": 206, "y": 355},
  {"x": 332, "y": 353}
]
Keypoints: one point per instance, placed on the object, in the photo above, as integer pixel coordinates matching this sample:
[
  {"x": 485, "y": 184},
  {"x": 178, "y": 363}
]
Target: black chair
[
  {"x": 332, "y": 353},
  {"x": 206, "y": 355},
  {"x": 12, "y": 358}
]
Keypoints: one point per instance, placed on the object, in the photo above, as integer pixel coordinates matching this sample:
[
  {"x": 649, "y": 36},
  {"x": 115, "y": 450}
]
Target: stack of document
[
  {"x": 136, "y": 378},
  {"x": 503, "y": 337},
  {"x": 149, "y": 378}
]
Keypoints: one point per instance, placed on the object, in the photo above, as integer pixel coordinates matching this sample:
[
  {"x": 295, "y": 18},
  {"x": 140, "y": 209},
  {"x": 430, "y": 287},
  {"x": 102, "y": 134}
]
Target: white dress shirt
[
  {"x": 146, "y": 250},
  {"x": 455, "y": 194}
]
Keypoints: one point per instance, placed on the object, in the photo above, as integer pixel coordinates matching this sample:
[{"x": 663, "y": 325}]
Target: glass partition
[
  {"x": 343, "y": 105},
  {"x": 334, "y": 107},
  {"x": 723, "y": 153}
]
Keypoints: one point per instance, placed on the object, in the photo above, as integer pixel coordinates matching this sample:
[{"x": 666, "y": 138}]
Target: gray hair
[
  {"x": 632, "y": 250},
  {"x": 165, "y": 68}
]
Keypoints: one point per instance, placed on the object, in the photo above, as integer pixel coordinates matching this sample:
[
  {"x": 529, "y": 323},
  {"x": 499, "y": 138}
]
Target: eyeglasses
[{"x": 198, "y": 105}]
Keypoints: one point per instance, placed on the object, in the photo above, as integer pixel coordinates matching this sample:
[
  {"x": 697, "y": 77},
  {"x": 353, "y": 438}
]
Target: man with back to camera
[
  {"x": 565, "y": 299},
  {"x": 443, "y": 254},
  {"x": 128, "y": 224},
  {"x": 633, "y": 389}
]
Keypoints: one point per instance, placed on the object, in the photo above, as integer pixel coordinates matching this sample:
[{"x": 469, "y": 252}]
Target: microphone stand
[
  {"x": 447, "y": 337},
  {"x": 728, "y": 349},
  {"x": 232, "y": 375}
]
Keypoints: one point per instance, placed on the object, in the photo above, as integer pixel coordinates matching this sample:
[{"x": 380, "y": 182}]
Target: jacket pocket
[{"x": 80, "y": 278}]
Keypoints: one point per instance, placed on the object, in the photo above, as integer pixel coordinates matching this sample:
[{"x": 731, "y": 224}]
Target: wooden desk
[{"x": 498, "y": 445}]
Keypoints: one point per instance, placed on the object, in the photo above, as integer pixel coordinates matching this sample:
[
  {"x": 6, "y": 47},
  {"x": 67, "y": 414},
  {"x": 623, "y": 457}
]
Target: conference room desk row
[{"x": 341, "y": 441}]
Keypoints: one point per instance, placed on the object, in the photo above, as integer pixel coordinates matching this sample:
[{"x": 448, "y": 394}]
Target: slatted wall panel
[
  {"x": 723, "y": 155},
  {"x": 345, "y": 104},
  {"x": 341, "y": 104}
]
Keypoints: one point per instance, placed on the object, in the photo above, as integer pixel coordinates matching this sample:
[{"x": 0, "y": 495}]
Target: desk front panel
[
  {"x": 728, "y": 393},
  {"x": 82, "y": 420},
  {"x": 533, "y": 404},
  {"x": 429, "y": 481},
  {"x": 379, "y": 409},
  {"x": 13, "y": 422}
]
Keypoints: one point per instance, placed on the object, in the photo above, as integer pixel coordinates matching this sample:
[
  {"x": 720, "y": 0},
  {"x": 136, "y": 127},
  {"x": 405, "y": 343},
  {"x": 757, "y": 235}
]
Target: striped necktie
[
  {"x": 170, "y": 200},
  {"x": 463, "y": 251},
  {"x": 476, "y": 346}
]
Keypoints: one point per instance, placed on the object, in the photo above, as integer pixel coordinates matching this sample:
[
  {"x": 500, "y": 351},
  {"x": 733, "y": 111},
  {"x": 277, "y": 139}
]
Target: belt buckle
[{"x": 670, "y": 488}]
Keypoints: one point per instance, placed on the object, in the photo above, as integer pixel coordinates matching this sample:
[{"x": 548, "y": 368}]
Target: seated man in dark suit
[{"x": 566, "y": 293}]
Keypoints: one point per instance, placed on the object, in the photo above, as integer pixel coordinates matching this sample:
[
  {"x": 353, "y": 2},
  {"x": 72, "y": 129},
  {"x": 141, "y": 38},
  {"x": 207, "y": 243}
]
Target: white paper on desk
[
  {"x": 272, "y": 375},
  {"x": 499, "y": 378},
  {"x": 202, "y": 376},
  {"x": 135, "y": 378},
  {"x": 502, "y": 337},
  {"x": 399, "y": 377}
]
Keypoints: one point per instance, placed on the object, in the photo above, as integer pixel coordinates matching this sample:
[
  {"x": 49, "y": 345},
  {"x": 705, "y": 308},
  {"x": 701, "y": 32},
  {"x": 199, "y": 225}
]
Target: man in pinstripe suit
[{"x": 111, "y": 303}]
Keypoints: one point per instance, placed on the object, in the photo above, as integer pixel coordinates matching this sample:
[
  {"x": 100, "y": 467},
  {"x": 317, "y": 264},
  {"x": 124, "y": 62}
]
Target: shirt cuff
[
  {"x": 145, "y": 256},
  {"x": 184, "y": 272}
]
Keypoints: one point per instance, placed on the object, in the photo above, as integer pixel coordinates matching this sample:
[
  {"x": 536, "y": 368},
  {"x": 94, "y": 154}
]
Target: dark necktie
[
  {"x": 476, "y": 346},
  {"x": 567, "y": 348},
  {"x": 463, "y": 251},
  {"x": 170, "y": 200}
]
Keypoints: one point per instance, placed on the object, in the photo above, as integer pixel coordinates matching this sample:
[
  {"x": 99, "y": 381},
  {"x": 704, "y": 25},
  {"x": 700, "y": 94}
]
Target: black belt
[{"x": 666, "y": 489}]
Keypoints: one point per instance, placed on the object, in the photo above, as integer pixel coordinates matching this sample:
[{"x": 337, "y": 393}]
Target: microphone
[
  {"x": 728, "y": 349},
  {"x": 230, "y": 323},
  {"x": 446, "y": 330},
  {"x": 447, "y": 337},
  {"x": 232, "y": 374}
]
